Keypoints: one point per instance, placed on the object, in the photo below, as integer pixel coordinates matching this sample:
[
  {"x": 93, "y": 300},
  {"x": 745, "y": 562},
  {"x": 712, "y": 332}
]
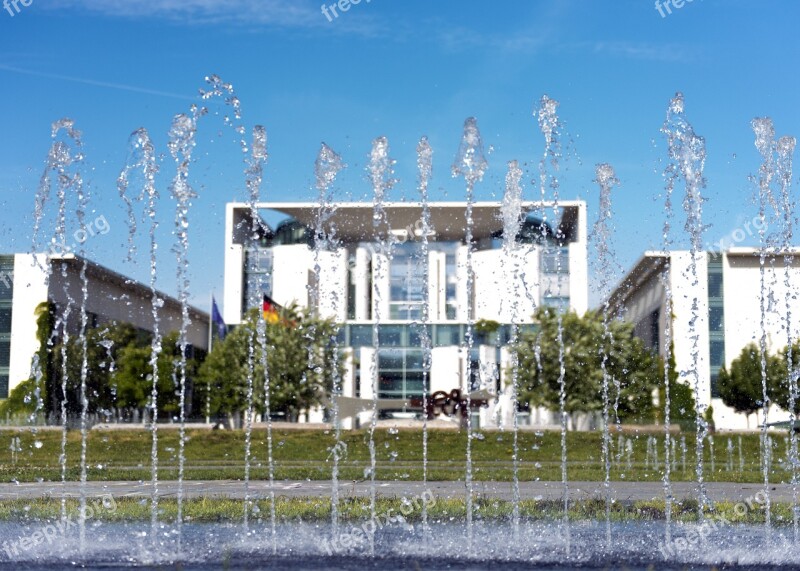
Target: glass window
[
  {"x": 555, "y": 261},
  {"x": 6, "y": 278},
  {"x": 361, "y": 335},
  {"x": 715, "y": 284},
  {"x": 560, "y": 303},
  {"x": 391, "y": 360},
  {"x": 3, "y": 386},
  {"x": 391, "y": 336},
  {"x": 717, "y": 353},
  {"x": 5, "y": 320},
  {"x": 400, "y": 373},
  {"x": 5, "y": 353},
  {"x": 447, "y": 335},
  {"x": 716, "y": 321}
]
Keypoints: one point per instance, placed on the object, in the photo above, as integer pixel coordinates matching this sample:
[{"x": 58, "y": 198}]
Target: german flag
[{"x": 272, "y": 310}]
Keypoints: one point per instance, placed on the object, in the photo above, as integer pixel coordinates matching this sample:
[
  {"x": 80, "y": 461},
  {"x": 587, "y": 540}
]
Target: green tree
[
  {"x": 682, "y": 408},
  {"x": 297, "y": 382},
  {"x": 633, "y": 370},
  {"x": 741, "y": 387},
  {"x": 781, "y": 383}
]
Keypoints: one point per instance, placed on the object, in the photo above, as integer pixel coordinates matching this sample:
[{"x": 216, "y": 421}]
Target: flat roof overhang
[{"x": 355, "y": 221}]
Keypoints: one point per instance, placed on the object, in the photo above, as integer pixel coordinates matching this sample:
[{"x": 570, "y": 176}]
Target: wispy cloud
[
  {"x": 96, "y": 83},
  {"x": 299, "y": 14},
  {"x": 641, "y": 51}
]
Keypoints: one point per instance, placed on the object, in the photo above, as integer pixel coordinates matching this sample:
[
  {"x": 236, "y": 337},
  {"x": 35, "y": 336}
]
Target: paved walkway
[{"x": 621, "y": 491}]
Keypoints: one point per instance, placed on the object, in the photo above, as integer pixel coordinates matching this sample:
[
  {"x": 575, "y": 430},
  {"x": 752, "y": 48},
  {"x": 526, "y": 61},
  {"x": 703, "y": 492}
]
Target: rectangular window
[
  {"x": 6, "y": 278},
  {"x": 5, "y": 320},
  {"x": 555, "y": 261},
  {"x": 716, "y": 318},
  {"x": 717, "y": 353},
  {"x": 447, "y": 335},
  {"x": 361, "y": 335},
  {"x": 258, "y": 277},
  {"x": 714, "y": 282},
  {"x": 5, "y": 353},
  {"x": 3, "y": 386},
  {"x": 400, "y": 373}
]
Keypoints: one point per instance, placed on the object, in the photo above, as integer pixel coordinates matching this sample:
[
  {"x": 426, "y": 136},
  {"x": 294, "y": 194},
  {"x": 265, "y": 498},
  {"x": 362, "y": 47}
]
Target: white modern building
[
  {"x": 353, "y": 280},
  {"x": 25, "y": 284},
  {"x": 726, "y": 289}
]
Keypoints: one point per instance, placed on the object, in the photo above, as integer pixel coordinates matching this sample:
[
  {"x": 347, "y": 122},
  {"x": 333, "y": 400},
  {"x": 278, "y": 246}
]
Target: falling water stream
[
  {"x": 181, "y": 144},
  {"x": 143, "y": 158},
  {"x": 425, "y": 168},
  {"x": 63, "y": 164},
  {"x": 511, "y": 211},
  {"x": 254, "y": 176},
  {"x": 381, "y": 171},
  {"x": 550, "y": 126},
  {"x": 775, "y": 170},
  {"x": 606, "y": 179},
  {"x": 326, "y": 168},
  {"x": 471, "y": 164},
  {"x": 765, "y": 139},
  {"x": 687, "y": 154}
]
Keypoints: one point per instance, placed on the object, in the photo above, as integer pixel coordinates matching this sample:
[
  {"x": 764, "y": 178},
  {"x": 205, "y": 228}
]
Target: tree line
[
  {"x": 303, "y": 362},
  {"x": 300, "y": 364}
]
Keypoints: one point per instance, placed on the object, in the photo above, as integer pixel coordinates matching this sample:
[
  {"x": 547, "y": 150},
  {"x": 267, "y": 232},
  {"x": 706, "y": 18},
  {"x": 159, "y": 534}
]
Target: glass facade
[
  {"x": 554, "y": 268},
  {"x": 407, "y": 283},
  {"x": 400, "y": 373},
  {"x": 716, "y": 321},
  {"x": 257, "y": 277},
  {"x": 6, "y": 309}
]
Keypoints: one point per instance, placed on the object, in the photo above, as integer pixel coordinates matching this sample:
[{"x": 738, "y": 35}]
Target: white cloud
[{"x": 270, "y": 13}]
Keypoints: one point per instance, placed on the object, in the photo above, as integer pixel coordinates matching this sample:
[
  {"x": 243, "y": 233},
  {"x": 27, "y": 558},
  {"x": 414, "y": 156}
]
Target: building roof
[
  {"x": 354, "y": 221},
  {"x": 107, "y": 275},
  {"x": 641, "y": 271}
]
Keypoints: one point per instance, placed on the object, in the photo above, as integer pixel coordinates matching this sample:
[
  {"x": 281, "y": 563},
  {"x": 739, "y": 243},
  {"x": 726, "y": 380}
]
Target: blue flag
[{"x": 217, "y": 321}]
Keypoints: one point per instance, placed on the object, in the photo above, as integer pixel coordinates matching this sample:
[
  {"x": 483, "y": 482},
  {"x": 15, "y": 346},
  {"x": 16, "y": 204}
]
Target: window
[
  {"x": 258, "y": 277},
  {"x": 400, "y": 373},
  {"x": 716, "y": 318},
  {"x": 407, "y": 283},
  {"x": 714, "y": 281},
  {"x": 555, "y": 261},
  {"x": 5, "y": 320},
  {"x": 717, "y": 353}
]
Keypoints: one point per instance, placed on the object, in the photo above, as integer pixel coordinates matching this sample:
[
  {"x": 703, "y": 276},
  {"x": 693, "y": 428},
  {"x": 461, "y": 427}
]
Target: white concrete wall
[
  {"x": 332, "y": 287},
  {"x": 579, "y": 266},
  {"x": 446, "y": 369},
  {"x": 290, "y": 282},
  {"x": 30, "y": 290},
  {"x": 234, "y": 268},
  {"x": 687, "y": 296}
]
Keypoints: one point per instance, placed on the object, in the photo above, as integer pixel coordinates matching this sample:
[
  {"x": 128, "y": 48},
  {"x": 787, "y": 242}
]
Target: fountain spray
[{"x": 471, "y": 164}]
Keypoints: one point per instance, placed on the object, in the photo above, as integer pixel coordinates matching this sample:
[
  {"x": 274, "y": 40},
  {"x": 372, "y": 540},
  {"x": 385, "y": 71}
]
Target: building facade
[
  {"x": 722, "y": 297},
  {"x": 334, "y": 260},
  {"x": 25, "y": 284}
]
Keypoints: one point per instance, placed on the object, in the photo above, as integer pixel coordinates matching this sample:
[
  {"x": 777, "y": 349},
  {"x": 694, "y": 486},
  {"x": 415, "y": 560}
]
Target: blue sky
[{"x": 402, "y": 69}]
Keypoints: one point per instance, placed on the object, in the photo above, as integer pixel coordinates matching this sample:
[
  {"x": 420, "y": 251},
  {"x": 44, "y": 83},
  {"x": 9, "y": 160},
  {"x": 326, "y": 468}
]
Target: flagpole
[{"x": 210, "y": 343}]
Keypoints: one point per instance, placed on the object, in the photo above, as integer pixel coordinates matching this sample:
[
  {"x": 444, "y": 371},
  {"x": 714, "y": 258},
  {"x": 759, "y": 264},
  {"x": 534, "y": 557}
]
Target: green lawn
[
  {"x": 125, "y": 455},
  {"x": 309, "y": 510}
]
